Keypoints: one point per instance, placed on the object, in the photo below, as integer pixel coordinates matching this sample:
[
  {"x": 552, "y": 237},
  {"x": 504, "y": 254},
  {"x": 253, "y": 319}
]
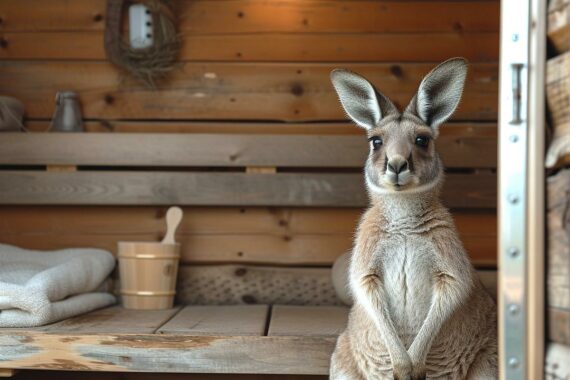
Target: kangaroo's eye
[
  {"x": 376, "y": 142},
  {"x": 422, "y": 141}
]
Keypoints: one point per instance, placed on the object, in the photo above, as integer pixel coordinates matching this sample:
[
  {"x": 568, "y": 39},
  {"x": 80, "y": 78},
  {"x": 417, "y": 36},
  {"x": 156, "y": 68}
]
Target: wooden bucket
[{"x": 148, "y": 273}]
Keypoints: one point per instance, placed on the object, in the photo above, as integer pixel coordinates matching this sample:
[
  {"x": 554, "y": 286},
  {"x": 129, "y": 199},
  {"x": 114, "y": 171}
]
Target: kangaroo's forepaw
[
  {"x": 403, "y": 371},
  {"x": 418, "y": 374}
]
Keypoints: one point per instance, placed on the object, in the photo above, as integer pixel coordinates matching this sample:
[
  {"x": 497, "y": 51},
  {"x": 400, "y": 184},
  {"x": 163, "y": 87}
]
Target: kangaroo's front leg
[
  {"x": 369, "y": 291},
  {"x": 451, "y": 286}
]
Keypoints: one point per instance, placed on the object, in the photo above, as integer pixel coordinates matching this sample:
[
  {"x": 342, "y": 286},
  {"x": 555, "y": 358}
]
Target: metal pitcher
[{"x": 67, "y": 117}]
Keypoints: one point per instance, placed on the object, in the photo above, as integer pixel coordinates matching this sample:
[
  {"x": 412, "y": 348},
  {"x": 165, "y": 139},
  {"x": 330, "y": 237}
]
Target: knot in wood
[{"x": 297, "y": 89}]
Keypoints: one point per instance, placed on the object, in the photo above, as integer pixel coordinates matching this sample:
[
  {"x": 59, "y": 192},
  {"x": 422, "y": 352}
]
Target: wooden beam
[
  {"x": 339, "y": 47},
  {"x": 220, "y": 189},
  {"x": 244, "y": 16},
  {"x": 292, "y": 236},
  {"x": 483, "y": 129},
  {"x": 213, "y": 221},
  {"x": 225, "y": 150},
  {"x": 217, "y": 91},
  {"x": 285, "y": 248}
]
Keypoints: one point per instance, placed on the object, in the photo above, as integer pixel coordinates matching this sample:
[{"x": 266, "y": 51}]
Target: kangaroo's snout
[
  {"x": 397, "y": 165},
  {"x": 398, "y": 171}
]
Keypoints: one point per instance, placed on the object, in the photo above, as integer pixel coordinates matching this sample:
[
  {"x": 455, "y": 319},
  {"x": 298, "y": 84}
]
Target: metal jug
[{"x": 67, "y": 117}]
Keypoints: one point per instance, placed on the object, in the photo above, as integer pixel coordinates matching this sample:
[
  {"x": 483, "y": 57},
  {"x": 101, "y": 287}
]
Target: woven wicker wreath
[{"x": 147, "y": 65}]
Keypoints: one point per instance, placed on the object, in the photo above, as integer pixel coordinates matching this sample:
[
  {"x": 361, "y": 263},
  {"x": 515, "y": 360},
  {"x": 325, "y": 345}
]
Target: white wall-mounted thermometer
[{"x": 140, "y": 27}]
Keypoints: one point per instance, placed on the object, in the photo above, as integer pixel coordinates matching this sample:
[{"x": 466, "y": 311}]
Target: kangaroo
[{"x": 419, "y": 308}]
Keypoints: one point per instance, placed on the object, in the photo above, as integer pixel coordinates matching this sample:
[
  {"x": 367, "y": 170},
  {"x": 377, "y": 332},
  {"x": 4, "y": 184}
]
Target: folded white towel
[{"x": 41, "y": 287}]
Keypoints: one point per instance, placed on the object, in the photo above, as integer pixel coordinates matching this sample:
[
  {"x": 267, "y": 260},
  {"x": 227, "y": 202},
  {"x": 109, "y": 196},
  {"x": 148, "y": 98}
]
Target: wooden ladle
[{"x": 173, "y": 218}]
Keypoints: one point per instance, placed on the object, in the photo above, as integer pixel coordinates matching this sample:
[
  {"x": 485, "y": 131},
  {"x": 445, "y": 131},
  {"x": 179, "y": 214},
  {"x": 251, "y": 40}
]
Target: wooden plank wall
[
  {"x": 246, "y": 66},
  {"x": 252, "y": 67}
]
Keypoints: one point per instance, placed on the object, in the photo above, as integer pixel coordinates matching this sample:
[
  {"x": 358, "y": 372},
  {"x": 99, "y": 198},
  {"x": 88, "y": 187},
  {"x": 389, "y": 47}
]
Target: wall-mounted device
[{"x": 140, "y": 27}]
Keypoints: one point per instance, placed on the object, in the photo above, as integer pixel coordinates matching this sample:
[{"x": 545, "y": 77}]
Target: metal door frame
[{"x": 521, "y": 189}]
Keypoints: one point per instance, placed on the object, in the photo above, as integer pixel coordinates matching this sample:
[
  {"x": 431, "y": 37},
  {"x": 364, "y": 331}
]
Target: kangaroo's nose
[{"x": 397, "y": 165}]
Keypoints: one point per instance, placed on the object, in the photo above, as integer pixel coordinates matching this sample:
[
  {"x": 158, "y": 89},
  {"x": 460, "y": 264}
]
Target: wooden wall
[
  {"x": 252, "y": 67},
  {"x": 246, "y": 66}
]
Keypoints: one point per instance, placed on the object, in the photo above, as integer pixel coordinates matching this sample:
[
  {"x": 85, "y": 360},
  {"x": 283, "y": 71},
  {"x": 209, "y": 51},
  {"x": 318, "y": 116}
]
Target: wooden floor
[{"x": 194, "y": 339}]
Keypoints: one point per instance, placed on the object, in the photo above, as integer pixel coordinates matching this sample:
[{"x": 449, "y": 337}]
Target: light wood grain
[
  {"x": 225, "y": 150},
  {"x": 308, "y": 321},
  {"x": 235, "y": 320},
  {"x": 247, "y": 16},
  {"x": 217, "y": 91}
]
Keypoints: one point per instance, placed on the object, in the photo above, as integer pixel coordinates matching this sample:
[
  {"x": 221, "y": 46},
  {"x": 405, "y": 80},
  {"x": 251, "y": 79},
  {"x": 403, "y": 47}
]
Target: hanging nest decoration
[{"x": 150, "y": 64}]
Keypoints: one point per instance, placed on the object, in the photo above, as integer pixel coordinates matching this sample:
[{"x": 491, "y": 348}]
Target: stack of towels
[{"x": 41, "y": 287}]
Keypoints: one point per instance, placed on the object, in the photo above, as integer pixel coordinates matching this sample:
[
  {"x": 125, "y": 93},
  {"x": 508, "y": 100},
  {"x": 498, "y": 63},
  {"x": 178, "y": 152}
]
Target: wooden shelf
[
  {"x": 161, "y": 169},
  {"x": 192, "y": 339}
]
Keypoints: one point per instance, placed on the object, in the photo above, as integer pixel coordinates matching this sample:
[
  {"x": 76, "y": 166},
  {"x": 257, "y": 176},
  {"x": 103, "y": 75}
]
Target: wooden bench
[
  {"x": 119, "y": 170},
  {"x": 194, "y": 339}
]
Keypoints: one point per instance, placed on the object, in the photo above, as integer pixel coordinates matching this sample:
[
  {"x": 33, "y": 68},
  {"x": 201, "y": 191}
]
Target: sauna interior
[{"x": 241, "y": 128}]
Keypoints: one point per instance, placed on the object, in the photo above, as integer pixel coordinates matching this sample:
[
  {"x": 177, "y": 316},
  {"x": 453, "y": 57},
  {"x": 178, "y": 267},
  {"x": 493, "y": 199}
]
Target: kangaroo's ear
[
  {"x": 440, "y": 92},
  {"x": 361, "y": 102}
]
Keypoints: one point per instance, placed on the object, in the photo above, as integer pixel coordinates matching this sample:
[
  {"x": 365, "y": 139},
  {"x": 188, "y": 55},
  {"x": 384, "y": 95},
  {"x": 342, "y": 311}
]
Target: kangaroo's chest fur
[{"x": 408, "y": 272}]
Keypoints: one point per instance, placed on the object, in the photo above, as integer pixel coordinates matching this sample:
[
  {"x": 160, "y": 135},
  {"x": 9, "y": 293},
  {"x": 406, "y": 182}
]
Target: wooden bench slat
[
  {"x": 220, "y": 189},
  {"x": 223, "y": 16},
  {"x": 215, "y": 91},
  {"x": 308, "y": 320},
  {"x": 166, "y": 353},
  {"x": 232, "y": 320},
  {"x": 223, "y": 150},
  {"x": 113, "y": 320}
]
